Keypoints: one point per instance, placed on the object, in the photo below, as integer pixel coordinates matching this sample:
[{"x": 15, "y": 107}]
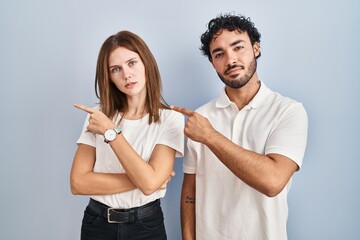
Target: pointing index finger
[
  {"x": 84, "y": 108},
  {"x": 185, "y": 111}
]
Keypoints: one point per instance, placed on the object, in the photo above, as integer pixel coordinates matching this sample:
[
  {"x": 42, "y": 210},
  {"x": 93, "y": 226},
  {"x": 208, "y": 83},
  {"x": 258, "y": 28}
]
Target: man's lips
[{"x": 233, "y": 69}]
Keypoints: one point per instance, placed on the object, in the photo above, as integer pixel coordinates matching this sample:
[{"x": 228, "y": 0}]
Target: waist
[
  {"x": 129, "y": 199},
  {"x": 118, "y": 215}
]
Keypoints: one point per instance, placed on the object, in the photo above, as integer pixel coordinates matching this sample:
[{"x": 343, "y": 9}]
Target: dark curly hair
[{"x": 229, "y": 22}]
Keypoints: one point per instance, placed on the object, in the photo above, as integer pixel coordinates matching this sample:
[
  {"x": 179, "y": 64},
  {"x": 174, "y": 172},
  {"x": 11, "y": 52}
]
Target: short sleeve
[
  {"x": 173, "y": 132},
  {"x": 189, "y": 164},
  {"x": 289, "y": 137}
]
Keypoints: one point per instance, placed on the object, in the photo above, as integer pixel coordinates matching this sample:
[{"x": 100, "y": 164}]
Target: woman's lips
[{"x": 130, "y": 85}]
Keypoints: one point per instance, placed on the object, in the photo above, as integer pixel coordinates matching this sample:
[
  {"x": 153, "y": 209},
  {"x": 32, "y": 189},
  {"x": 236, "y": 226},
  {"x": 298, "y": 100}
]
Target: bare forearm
[
  {"x": 101, "y": 184},
  {"x": 84, "y": 181},
  {"x": 268, "y": 174},
  {"x": 137, "y": 169},
  {"x": 188, "y": 208},
  {"x": 147, "y": 176},
  {"x": 188, "y": 219},
  {"x": 259, "y": 171}
]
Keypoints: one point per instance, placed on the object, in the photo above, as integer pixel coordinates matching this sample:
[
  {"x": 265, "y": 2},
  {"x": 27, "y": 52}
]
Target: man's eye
[{"x": 218, "y": 55}]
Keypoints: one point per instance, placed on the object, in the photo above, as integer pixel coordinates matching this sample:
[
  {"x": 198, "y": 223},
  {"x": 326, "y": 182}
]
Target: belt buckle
[{"x": 109, "y": 214}]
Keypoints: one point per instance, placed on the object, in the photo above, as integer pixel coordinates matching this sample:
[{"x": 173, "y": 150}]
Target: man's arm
[
  {"x": 188, "y": 207},
  {"x": 268, "y": 174}
]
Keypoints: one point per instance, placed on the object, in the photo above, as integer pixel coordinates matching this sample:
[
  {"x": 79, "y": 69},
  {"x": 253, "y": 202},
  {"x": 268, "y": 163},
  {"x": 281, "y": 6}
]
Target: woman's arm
[
  {"x": 84, "y": 181},
  {"x": 147, "y": 176}
]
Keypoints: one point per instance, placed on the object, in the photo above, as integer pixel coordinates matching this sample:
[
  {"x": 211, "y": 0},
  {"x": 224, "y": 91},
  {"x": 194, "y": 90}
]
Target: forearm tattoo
[{"x": 190, "y": 199}]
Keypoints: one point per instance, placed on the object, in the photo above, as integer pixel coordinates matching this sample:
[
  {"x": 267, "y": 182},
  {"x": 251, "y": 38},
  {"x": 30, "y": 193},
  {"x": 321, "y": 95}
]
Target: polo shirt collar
[{"x": 223, "y": 100}]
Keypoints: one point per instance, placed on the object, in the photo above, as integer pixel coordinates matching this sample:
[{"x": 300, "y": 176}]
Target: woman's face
[{"x": 127, "y": 72}]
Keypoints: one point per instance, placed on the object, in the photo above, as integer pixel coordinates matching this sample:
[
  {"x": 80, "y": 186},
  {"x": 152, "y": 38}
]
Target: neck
[
  {"x": 242, "y": 96},
  {"x": 136, "y": 108}
]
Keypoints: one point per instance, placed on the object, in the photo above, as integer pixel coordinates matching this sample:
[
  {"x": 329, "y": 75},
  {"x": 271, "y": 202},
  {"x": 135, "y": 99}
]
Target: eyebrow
[
  {"x": 131, "y": 59},
  {"x": 232, "y": 44}
]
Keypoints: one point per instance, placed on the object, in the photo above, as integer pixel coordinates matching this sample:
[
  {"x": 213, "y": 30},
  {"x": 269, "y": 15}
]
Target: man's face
[{"x": 234, "y": 57}]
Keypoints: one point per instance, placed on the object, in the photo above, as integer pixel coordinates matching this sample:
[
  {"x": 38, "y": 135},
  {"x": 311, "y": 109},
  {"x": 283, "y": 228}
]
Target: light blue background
[{"x": 48, "y": 51}]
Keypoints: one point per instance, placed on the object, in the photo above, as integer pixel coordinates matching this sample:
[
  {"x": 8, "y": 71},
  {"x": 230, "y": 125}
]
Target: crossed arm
[
  {"x": 84, "y": 181},
  {"x": 147, "y": 176}
]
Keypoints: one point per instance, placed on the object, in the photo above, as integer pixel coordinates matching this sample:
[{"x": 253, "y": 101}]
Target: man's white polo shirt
[{"x": 226, "y": 207}]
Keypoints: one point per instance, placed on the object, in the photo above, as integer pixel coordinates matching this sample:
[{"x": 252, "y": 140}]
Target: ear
[
  {"x": 256, "y": 49},
  {"x": 211, "y": 61}
]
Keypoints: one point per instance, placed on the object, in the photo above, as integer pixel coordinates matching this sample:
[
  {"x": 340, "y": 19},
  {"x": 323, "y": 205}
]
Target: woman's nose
[{"x": 126, "y": 74}]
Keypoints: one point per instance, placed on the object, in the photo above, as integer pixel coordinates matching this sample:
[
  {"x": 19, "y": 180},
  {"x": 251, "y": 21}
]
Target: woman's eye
[
  {"x": 115, "y": 70},
  {"x": 132, "y": 63}
]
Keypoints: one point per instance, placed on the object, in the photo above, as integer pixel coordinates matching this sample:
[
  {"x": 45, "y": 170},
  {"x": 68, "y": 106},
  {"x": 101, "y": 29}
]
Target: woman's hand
[
  {"x": 172, "y": 174},
  {"x": 98, "y": 121}
]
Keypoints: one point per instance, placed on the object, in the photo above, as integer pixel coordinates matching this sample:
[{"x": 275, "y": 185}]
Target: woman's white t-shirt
[{"x": 143, "y": 138}]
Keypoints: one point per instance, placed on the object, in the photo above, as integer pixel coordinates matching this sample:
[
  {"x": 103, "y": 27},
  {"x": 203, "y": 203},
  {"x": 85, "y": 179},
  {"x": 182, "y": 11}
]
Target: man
[{"x": 243, "y": 147}]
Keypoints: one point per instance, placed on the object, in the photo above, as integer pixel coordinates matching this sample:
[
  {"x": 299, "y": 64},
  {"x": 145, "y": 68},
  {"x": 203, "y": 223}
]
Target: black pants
[{"x": 96, "y": 227}]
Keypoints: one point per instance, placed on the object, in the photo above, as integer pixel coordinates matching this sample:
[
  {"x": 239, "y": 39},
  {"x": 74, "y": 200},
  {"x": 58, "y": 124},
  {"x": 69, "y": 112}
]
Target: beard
[{"x": 240, "y": 81}]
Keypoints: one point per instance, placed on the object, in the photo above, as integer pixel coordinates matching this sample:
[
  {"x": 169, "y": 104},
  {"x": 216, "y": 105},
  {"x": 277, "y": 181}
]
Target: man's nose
[{"x": 231, "y": 58}]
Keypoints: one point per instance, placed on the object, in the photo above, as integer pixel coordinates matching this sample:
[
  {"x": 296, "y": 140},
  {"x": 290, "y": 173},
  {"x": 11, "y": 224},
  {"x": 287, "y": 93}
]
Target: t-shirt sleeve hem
[
  {"x": 86, "y": 142},
  {"x": 286, "y": 153},
  {"x": 179, "y": 149},
  {"x": 189, "y": 170}
]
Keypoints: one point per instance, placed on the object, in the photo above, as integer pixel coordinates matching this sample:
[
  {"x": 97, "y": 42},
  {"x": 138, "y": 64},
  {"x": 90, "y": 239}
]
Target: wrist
[
  {"x": 108, "y": 126},
  {"x": 210, "y": 137},
  {"x": 111, "y": 134}
]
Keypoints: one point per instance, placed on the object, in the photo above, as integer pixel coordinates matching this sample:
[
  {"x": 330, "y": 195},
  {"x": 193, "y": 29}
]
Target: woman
[{"x": 128, "y": 145}]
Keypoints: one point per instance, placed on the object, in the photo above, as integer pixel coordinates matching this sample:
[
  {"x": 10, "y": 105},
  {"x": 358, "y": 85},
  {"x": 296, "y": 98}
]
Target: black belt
[{"x": 118, "y": 215}]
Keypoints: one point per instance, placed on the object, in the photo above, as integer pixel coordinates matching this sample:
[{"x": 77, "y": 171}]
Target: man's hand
[
  {"x": 197, "y": 128},
  {"x": 98, "y": 121}
]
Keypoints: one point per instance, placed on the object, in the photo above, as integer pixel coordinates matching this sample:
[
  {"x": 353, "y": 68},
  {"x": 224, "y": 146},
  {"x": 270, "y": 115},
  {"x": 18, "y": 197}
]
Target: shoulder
[
  {"x": 286, "y": 106},
  {"x": 207, "y": 107},
  {"x": 276, "y": 99},
  {"x": 289, "y": 103},
  {"x": 170, "y": 115}
]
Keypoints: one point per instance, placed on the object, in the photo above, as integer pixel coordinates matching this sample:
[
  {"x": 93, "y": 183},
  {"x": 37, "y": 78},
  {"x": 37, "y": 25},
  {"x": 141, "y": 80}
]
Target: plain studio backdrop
[{"x": 48, "y": 52}]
